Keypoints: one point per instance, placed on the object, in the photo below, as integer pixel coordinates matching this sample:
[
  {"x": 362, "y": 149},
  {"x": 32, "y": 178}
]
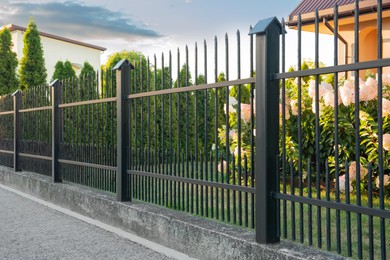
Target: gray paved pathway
[{"x": 29, "y": 230}]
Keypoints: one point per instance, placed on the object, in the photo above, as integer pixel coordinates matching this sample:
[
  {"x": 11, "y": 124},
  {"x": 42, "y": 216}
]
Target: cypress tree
[
  {"x": 63, "y": 70},
  {"x": 68, "y": 70},
  {"x": 58, "y": 70},
  {"x": 8, "y": 64},
  {"x": 87, "y": 70},
  {"x": 32, "y": 70},
  {"x": 88, "y": 81}
]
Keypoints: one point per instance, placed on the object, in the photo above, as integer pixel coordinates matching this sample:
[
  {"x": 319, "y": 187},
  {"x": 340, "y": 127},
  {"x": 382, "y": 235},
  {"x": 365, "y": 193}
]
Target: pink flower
[
  {"x": 324, "y": 88},
  {"x": 286, "y": 110},
  {"x": 254, "y": 106},
  {"x": 246, "y": 112},
  {"x": 385, "y": 107},
  {"x": 347, "y": 93},
  {"x": 386, "y": 142},
  {"x": 294, "y": 107},
  {"x": 386, "y": 180},
  {"x": 312, "y": 89},
  {"x": 233, "y": 134},
  {"x": 386, "y": 79},
  {"x": 342, "y": 184},
  {"x": 368, "y": 90},
  {"x": 313, "y": 107},
  {"x": 220, "y": 165},
  {"x": 352, "y": 171},
  {"x": 329, "y": 99}
]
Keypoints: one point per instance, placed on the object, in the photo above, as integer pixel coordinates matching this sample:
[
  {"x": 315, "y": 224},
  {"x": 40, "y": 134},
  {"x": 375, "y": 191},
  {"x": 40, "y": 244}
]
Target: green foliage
[
  {"x": 235, "y": 130},
  {"x": 346, "y": 123},
  {"x": 87, "y": 70},
  {"x": 114, "y": 58},
  {"x": 8, "y": 64},
  {"x": 63, "y": 70},
  {"x": 221, "y": 101},
  {"x": 206, "y": 113},
  {"x": 245, "y": 93},
  {"x": 32, "y": 71}
]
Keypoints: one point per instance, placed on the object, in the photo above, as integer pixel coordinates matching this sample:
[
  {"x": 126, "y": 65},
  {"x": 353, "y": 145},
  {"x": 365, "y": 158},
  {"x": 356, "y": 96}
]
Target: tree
[
  {"x": 206, "y": 117},
  {"x": 87, "y": 70},
  {"x": 8, "y": 63},
  {"x": 138, "y": 84},
  {"x": 109, "y": 80},
  {"x": 63, "y": 70},
  {"x": 88, "y": 82},
  {"x": 58, "y": 70},
  {"x": 114, "y": 58},
  {"x": 32, "y": 71}
]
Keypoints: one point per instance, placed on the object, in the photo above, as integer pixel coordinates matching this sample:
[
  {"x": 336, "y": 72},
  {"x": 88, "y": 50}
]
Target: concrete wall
[
  {"x": 195, "y": 236},
  {"x": 55, "y": 50}
]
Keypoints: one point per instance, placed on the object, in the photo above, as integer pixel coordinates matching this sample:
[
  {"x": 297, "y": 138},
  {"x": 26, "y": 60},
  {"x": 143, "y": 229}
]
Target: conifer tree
[
  {"x": 8, "y": 64},
  {"x": 63, "y": 70},
  {"x": 88, "y": 81},
  {"x": 32, "y": 71},
  {"x": 87, "y": 70},
  {"x": 58, "y": 70}
]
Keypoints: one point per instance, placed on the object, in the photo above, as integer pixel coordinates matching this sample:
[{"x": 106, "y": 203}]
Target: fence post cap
[
  {"x": 121, "y": 63},
  {"x": 54, "y": 82},
  {"x": 262, "y": 26},
  {"x": 16, "y": 92}
]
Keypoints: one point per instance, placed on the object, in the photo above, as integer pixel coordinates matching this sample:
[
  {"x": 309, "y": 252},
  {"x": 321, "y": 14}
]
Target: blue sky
[
  {"x": 149, "y": 26},
  {"x": 142, "y": 20}
]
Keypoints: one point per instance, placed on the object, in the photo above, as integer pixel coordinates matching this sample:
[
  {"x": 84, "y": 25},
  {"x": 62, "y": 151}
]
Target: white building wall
[
  {"x": 17, "y": 40},
  {"x": 55, "y": 50}
]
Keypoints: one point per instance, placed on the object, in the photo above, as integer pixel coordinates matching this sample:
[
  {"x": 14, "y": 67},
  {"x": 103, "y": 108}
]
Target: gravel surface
[{"x": 29, "y": 230}]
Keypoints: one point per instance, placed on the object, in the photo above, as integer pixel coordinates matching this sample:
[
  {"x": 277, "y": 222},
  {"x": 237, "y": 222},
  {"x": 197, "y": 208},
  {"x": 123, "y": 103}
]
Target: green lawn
[
  {"x": 331, "y": 236},
  {"x": 198, "y": 195}
]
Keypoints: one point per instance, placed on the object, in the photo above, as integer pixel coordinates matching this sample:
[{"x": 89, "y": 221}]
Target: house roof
[
  {"x": 307, "y": 9},
  {"x": 13, "y": 27},
  {"x": 310, "y": 6}
]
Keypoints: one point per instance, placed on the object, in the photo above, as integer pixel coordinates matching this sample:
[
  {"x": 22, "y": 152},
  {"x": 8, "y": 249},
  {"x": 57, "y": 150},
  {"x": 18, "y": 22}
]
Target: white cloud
[{"x": 75, "y": 19}]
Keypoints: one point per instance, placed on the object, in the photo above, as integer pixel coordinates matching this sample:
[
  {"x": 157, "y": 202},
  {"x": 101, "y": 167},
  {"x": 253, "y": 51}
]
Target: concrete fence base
[{"x": 192, "y": 235}]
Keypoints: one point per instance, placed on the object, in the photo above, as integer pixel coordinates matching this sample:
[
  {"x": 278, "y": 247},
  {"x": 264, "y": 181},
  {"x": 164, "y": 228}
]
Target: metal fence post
[
  {"x": 17, "y": 95},
  {"x": 267, "y": 128},
  {"x": 56, "y": 118},
  {"x": 123, "y": 185}
]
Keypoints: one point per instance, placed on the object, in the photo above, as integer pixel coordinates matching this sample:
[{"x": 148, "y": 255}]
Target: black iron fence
[
  {"x": 87, "y": 131},
  {"x": 84, "y": 112},
  {"x": 186, "y": 139},
  {"x": 300, "y": 155},
  {"x": 7, "y": 130},
  {"x": 334, "y": 190}
]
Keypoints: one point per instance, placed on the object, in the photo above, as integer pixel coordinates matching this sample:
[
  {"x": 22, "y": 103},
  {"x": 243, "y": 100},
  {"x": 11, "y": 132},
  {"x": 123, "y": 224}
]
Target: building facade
[
  {"x": 368, "y": 44},
  {"x": 57, "y": 48}
]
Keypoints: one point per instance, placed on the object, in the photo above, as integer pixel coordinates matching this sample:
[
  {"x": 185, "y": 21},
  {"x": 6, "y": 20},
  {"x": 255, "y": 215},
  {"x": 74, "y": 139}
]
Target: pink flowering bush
[
  {"x": 246, "y": 112},
  {"x": 345, "y": 103},
  {"x": 240, "y": 115}
]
